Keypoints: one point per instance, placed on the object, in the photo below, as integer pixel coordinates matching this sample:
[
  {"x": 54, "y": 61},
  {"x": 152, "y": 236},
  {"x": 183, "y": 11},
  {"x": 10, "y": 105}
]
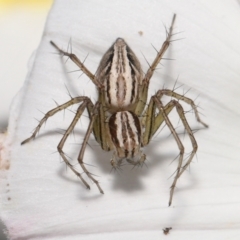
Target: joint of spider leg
[{"x": 61, "y": 152}]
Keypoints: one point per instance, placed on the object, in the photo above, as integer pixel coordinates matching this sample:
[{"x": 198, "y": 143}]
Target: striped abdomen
[{"x": 125, "y": 131}]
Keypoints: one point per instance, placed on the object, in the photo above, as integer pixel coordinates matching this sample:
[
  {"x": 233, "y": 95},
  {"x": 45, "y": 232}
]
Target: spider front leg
[
  {"x": 160, "y": 54},
  {"x": 144, "y": 87},
  {"x": 78, "y": 62}
]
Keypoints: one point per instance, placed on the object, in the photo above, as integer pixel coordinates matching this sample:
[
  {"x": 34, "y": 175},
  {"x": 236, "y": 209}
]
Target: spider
[{"x": 120, "y": 120}]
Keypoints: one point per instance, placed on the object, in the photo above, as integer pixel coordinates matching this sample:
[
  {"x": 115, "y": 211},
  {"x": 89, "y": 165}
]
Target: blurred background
[{"x": 21, "y": 27}]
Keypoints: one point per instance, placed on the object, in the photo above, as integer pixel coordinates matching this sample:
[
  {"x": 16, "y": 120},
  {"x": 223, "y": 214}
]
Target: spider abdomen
[{"x": 125, "y": 131}]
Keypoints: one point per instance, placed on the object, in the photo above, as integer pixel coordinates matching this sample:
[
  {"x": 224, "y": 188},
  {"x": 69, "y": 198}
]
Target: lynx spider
[{"x": 122, "y": 96}]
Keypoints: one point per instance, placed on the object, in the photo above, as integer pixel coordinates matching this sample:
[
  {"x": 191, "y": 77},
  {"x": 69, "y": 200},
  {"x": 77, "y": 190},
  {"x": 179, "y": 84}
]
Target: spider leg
[
  {"x": 194, "y": 146},
  {"x": 86, "y": 103},
  {"x": 160, "y": 54},
  {"x": 78, "y": 62},
  {"x": 181, "y": 114},
  {"x": 84, "y": 144},
  {"x": 52, "y": 112},
  {"x": 143, "y": 91},
  {"x": 189, "y": 101},
  {"x": 180, "y": 111},
  {"x": 151, "y": 123}
]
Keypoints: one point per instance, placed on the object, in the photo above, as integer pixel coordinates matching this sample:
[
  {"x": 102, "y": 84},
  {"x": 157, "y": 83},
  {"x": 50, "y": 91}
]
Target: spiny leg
[
  {"x": 160, "y": 54},
  {"x": 83, "y": 148},
  {"x": 193, "y": 141},
  {"x": 175, "y": 135},
  {"x": 144, "y": 87},
  {"x": 181, "y": 114},
  {"x": 52, "y": 112},
  {"x": 180, "y": 111},
  {"x": 189, "y": 101},
  {"x": 78, "y": 62},
  {"x": 79, "y": 112},
  {"x": 152, "y": 124}
]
